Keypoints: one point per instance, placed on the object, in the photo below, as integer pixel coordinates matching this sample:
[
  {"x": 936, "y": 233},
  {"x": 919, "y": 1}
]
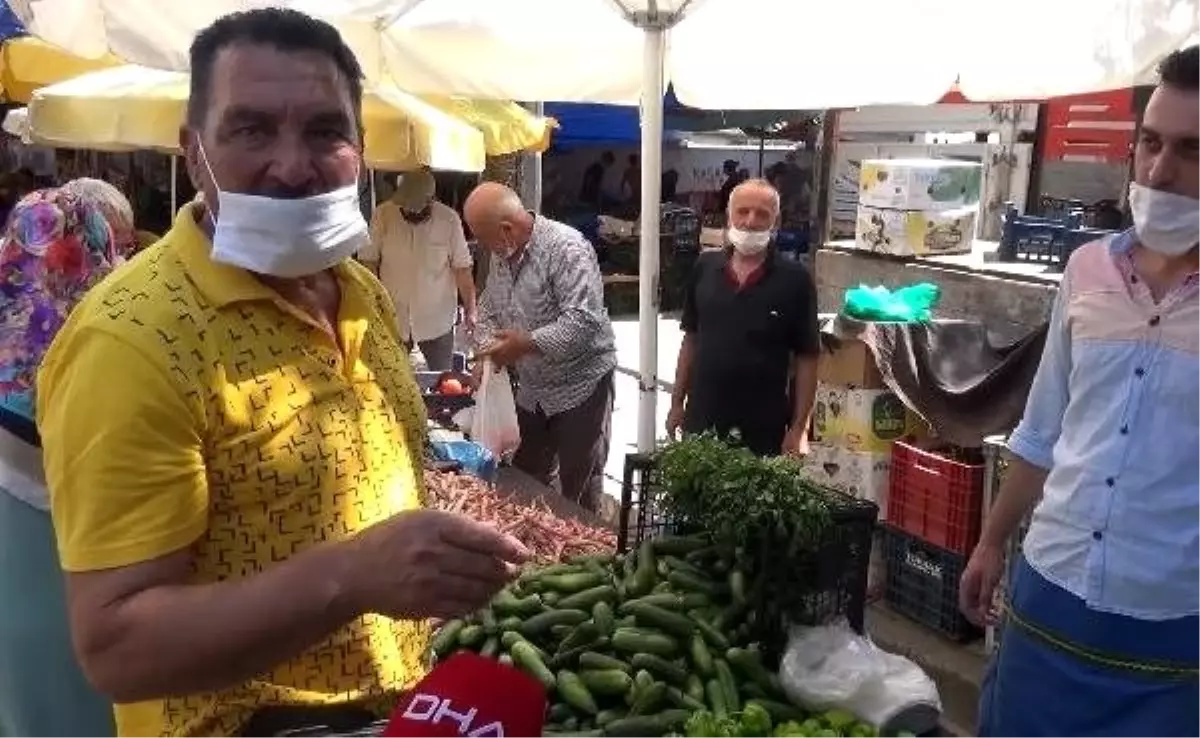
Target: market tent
[
  {"x": 27, "y": 63},
  {"x": 722, "y": 54},
  {"x": 135, "y": 107}
]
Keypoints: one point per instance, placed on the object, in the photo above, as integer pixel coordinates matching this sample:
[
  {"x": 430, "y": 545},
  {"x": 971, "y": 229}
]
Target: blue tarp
[
  {"x": 584, "y": 124},
  {"x": 10, "y": 24}
]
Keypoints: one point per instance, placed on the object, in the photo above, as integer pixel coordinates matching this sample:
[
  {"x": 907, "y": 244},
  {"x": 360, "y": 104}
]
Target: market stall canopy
[
  {"x": 136, "y": 107},
  {"x": 721, "y": 54},
  {"x": 27, "y": 63}
]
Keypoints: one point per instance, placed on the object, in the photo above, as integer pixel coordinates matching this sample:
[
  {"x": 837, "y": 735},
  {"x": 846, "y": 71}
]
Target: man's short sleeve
[
  {"x": 806, "y": 337},
  {"x": 123, "y": 454}
]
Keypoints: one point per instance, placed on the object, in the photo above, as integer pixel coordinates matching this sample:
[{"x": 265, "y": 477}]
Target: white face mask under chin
[
  {"x": 748, "y": 243},
  {"x": 287, "y": 238},
  {"x": 1166, "y": 223}
]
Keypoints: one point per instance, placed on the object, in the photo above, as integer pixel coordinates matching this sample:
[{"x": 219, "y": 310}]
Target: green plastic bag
[{"x": 911, "y": 304}]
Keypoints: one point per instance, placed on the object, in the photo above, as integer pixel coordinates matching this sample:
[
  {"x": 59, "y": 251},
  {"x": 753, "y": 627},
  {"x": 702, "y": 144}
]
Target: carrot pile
[{"x": 551, "y": 538}]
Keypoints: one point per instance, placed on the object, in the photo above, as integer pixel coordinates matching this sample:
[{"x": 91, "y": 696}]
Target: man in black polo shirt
[{"x": 749, "y": 356}]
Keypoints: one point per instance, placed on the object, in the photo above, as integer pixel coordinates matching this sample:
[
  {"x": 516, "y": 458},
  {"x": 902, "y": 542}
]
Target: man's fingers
[{"x": 484, "y": 539}]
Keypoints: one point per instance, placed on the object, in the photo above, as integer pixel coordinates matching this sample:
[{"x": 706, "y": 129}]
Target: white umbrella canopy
[{"x": 747, "y": 54}]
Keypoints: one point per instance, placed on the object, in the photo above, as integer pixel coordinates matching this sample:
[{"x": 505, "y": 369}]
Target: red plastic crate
[{"x": 935, "y": 498}]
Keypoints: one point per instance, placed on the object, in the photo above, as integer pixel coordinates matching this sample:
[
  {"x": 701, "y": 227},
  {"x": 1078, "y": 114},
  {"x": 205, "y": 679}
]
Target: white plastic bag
[
  {"x": 832, "y": 667},
  {"x": 494, "y": 420}
]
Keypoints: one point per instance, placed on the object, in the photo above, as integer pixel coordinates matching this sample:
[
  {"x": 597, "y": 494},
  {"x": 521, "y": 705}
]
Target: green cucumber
[
  {"x": 446, "y": 640},
  {"x": 645, "y": 575},
  {"x": 665, "y": 600},
  {"x": 702, "y": 658},
  {"x": 715, "y": 638},
  {"x": 586, "y": 599},
  {"x": 507, "y": 604},
  {"x": 685, "y": 581},
  {"x": 490, "y": 647},
  {"x": 646, "y": 701},
  {"x": 716, "y": 697},
  {"x": 672, "y": 623},
  {"x": 733, "y": 702},
  {"x": 574, "y": 693},
  {"x": 609, "y": 682},
  {"x": 604, "y": 717},
  {"x": 526, "y": 658},
  {"x": 695, "y": 688},
  {"x": 634, "y": 640},
  {"x": 600, "y": 662},
  {"x": 602, "y": 616},
  {"x": 641, "y": 725},
  {"x": 681, "y": 699},
  {"x": 749, "y": 663},
  {"x": 569, "y": 583},
  {"x": 660, "y": 667},
  {"x": 581, "y": 635},
  {"x": 541, "y": 624}
]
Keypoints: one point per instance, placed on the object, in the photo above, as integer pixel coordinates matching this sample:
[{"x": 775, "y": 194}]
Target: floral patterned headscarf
[{"x": 57, "y": 246}]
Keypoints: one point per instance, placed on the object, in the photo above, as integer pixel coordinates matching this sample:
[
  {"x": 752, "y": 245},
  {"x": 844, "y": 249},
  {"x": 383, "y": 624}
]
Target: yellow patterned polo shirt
[{"x": 185, "y": 404}]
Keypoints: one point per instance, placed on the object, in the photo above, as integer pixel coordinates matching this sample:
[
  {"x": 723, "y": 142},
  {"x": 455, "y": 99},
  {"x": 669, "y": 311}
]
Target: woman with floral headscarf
[{"x": 57, "y": 245}]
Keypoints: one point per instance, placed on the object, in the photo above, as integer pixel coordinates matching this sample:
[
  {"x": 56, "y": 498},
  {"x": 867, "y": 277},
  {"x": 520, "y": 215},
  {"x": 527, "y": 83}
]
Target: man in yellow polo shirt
[{"x": 232, "y": 433}]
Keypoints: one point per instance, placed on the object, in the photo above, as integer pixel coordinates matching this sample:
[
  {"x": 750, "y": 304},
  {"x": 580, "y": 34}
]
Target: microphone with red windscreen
[{"x": 469, "y": 695}]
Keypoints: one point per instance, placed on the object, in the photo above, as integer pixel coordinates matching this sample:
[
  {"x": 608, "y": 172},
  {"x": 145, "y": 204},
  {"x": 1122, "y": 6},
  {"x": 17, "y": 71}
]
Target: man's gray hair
[{"x": 758, "y": 183}]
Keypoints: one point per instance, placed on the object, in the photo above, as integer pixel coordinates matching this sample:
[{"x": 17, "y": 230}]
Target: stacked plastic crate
[
  {"x": 933, "y": 520},
  {"x": 855, "y": 421}
]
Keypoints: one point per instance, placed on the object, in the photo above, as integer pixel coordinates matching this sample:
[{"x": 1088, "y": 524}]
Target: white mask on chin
[
  {"x": 287, "y": 238},
  {"x": 1166, "y": 223},
  {"x": 748, "y": 243}
]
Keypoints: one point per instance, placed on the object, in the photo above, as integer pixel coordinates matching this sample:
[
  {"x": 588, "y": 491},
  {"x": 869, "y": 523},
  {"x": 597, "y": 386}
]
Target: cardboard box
[
  {"x": 919, "y": 184},
  {"x": 915, "y": 232},
  {"x": 861, "y": 475},
  {"x": 863, "y": 420},
  {"x": 851, "y": 365}
]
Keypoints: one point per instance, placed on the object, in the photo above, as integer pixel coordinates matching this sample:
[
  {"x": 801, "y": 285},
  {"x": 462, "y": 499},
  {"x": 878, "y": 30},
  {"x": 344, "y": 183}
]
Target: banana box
[
  {"x": 919, "y": 184},
  {"x": 915, "y": 232},
  {"x": 861, "y": 420}
]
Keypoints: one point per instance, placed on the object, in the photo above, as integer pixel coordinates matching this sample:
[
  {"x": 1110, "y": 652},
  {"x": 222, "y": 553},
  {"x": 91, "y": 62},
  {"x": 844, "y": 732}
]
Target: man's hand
[
  {"x": 977, "y": 588},
  {"x": 470, "y": 319},
  {"x": 431, "y": 564},
  {"x": 795, "y": 442},
  {"x": 675, "y": 418},
  {"x": 508, "y": 346}
]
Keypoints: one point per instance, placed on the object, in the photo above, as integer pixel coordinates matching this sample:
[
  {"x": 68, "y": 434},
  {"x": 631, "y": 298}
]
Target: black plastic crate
[
  {"x": 922, "y": 584},
  {"x": 809, "y": 587}
]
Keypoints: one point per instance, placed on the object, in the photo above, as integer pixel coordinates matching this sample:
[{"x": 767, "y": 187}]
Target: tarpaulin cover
[{"x": 966, "y": 384}]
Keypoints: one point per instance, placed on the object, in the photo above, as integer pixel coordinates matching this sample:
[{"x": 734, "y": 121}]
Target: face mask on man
[
  {"x": 748, "y": 243},
  {"x": 1165, "y": 222},
  {"x": 287, "y": 238}
]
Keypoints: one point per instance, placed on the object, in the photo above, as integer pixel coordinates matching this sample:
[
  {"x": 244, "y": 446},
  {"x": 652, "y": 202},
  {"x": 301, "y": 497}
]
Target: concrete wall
[{"x": 1010, "y": 308}]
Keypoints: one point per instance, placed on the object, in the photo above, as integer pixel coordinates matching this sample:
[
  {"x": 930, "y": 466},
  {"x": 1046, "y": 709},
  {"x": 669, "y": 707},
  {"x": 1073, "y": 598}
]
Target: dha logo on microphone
[
  {"x": 429, "y": 708},
  {"x": 472, "y": 696}
]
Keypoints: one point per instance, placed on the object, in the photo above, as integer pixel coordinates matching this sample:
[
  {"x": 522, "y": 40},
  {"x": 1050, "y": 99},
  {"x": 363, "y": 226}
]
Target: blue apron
[{"x": 1064, "y": 669}]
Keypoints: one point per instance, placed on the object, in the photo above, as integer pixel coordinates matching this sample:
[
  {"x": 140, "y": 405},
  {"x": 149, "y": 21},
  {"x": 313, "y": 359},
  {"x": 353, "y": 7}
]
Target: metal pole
[
  {"x": 535, "y": 168},
  {"x": 652, "y": 143},
  {"x": 174, "y": 185}
]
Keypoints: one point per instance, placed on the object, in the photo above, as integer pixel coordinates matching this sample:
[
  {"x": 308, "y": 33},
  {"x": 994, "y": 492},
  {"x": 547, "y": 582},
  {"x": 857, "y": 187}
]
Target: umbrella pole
[
  {"x": 174, "y": 184},
  {"x": 652, "y": 143}
]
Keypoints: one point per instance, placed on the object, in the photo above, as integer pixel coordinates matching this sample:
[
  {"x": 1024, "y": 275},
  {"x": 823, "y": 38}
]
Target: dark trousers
[{"x": 568, "y": 450}]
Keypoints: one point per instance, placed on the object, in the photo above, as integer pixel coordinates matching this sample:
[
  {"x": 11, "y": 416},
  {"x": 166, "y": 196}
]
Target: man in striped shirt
[
  {"x": 542, "y": 313},
  {"x": 1101, "y": 623}
]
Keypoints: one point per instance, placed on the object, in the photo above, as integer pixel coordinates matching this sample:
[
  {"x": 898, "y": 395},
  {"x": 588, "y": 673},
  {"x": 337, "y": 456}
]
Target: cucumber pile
[{"x": 631, "y": 645}]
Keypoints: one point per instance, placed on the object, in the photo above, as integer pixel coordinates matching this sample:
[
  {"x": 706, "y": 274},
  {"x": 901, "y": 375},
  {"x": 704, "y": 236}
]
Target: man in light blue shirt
[{"x": 1101, "y": 627}]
